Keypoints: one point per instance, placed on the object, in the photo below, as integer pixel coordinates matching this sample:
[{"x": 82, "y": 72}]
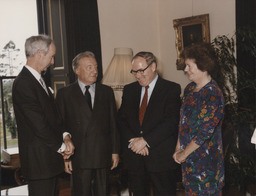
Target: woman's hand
[
  {"x": 176, "y": 156},
  {"x": 180, "y": 156}
]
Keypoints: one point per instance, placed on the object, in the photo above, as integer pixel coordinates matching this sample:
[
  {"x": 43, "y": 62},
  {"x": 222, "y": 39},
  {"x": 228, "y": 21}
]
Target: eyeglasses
[{"x": 140, "y": 71}]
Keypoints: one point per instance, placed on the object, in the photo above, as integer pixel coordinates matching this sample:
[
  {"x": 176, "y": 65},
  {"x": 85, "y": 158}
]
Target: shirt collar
[
  {"x": 33, "y": 72},
  {"x": 153, "y": 83},
  {"x": 81, "y": 84}
]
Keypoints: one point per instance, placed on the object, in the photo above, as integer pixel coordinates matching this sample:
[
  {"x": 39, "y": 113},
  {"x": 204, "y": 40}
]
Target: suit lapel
[
  {"x": 136, "y": 104},
  {"x": 153, "y": 98},
  {"x": 137, "y": 97},
  {"x": 28, "y": 74},
  {"x": 98, "y": 92},
  {"x": 97, "y": 106},
  {"x": 78, "y": 94}
]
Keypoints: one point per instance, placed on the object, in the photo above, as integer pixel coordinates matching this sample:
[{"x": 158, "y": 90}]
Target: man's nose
[{"x": 95, "y": 70}]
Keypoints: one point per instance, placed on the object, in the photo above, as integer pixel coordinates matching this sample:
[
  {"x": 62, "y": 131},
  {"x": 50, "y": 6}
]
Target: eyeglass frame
[{"x": 141, "y": 71}]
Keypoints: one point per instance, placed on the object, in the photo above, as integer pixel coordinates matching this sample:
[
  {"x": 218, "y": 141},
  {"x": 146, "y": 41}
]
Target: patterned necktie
[
  {"x": 143, "y": 105},
  {"x": 87, "y": 96},
  {"x": 43, "y": 85}
]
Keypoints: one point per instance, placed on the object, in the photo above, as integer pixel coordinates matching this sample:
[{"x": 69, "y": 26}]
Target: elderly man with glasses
[{"x": 148, "y": 123}]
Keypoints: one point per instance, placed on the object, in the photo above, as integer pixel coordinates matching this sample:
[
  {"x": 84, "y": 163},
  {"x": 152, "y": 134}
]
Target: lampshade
[{"x": 118, "y": 72}]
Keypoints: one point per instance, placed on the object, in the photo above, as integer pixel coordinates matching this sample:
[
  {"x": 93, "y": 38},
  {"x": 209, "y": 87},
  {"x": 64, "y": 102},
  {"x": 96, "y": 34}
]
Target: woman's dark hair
[{"x": 204, "y": 56}]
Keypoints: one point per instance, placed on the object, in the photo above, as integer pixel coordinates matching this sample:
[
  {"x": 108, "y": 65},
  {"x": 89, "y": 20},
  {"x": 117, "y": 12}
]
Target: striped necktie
[
  {"x": 143, "y": 105},
  {"x": 41, "y": 80}
]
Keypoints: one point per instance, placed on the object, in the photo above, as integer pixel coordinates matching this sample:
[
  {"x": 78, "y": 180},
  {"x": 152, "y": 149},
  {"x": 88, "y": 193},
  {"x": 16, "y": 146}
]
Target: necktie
[
  {"x": 87, "y": 96},
  {"x": 43, "y": 85},
  {"x": 143, "y": 105}
]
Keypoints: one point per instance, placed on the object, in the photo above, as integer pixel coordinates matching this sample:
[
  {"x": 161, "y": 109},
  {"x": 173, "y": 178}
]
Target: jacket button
[{"x": 141, "y": 132}]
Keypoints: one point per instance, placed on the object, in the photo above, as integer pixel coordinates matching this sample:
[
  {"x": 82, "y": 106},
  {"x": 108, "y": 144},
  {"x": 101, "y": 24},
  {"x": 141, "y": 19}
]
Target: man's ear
[
  {"x": 76, "y": 71},
  {"x": 39, "y": 53},
  {"x": 153, "y": 66}
]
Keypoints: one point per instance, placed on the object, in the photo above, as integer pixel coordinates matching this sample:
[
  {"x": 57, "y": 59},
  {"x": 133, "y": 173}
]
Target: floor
[
  {"x": 116, "y": 189},
  {"x": 12, "y": 183},
  {"x": 22, "y": 191}
]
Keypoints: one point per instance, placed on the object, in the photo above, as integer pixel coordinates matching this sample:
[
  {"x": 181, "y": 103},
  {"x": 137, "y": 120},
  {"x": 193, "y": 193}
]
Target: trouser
[
  {"x": 90, "y": 182},
  {"x": 43, "y": 187},
  {"x": 162, "y": 183}
]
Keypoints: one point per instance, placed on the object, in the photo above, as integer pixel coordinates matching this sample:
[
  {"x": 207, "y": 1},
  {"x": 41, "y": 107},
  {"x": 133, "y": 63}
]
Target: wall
[
  {"x": 127, "y": 23},
  {"x": 148, "y": 25}
]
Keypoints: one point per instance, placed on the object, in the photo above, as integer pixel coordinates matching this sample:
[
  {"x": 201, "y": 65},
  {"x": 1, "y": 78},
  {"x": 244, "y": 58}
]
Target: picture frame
[{"x": 190, "y": 30}]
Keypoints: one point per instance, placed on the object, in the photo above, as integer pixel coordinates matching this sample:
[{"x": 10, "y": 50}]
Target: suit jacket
[
  {"x": 159, "y": 127},
  {"x": 39, "y": 134},
  {"x": 94, "y": 133}
]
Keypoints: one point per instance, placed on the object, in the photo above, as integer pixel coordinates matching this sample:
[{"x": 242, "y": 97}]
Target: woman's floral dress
[{"x": 201, "y": 119}]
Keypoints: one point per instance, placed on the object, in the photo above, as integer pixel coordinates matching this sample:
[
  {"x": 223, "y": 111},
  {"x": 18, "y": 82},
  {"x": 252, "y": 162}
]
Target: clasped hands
[
  {"x": 139, "y": 146},
  {"x": 69, "y": 150}
]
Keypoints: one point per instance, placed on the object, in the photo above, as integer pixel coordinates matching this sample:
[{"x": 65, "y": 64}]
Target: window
[{"x": 18, "y": 21}]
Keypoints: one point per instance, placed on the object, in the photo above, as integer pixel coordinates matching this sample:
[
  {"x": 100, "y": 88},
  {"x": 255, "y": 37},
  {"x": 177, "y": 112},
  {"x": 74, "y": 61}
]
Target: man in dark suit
[
  {"x": 39, "y": 132},
  {"x": 148, "y": 123},
  {"x": 88, "y": 110}
]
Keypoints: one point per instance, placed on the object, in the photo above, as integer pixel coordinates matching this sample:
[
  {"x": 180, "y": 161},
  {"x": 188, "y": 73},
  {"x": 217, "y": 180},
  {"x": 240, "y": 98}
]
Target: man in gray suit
[{"x": 88, "y": 110}]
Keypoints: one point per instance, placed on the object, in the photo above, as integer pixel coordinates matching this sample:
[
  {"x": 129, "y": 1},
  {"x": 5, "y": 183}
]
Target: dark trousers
[
  {"x": 90, "y": 182},
  {"x": 162, "y": 183},
  {"x": 43, "y": 187}
]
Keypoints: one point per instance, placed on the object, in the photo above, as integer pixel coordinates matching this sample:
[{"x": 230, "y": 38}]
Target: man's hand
[
  {"x": 115, "y": 160},
  {"x": 68, "y": 166},
  {"x": 69, "y": 147},
  {"x": 137, "y": 144},
  {"x": 144, "y": 151}
]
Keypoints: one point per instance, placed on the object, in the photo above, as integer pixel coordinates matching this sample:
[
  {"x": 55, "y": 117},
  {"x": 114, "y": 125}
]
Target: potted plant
[{"x": 239, "y": 90}]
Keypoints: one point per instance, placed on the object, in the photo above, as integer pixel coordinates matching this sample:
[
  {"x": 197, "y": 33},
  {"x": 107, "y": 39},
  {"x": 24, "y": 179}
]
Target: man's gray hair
[
  {"x": 148, "y": 56},
  {"x": 36, "y": 43},
  {"x": 81, "y": 55}
]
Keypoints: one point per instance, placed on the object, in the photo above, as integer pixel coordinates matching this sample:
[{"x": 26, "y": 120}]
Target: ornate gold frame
[{"x": 201, "y": 21}]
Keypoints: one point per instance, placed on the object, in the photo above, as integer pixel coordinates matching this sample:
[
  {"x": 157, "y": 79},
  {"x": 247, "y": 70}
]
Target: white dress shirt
[
  {"x": 91, "y": 90},
  {"x": 150, "y": 89}
]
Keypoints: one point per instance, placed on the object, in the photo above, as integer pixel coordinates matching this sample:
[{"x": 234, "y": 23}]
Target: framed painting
[{"x": 190, "y": 30}]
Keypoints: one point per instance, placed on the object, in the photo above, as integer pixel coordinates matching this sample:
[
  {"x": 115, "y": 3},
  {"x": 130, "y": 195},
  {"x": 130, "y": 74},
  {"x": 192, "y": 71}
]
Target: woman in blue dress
[{"x": 199, "y": 147}]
